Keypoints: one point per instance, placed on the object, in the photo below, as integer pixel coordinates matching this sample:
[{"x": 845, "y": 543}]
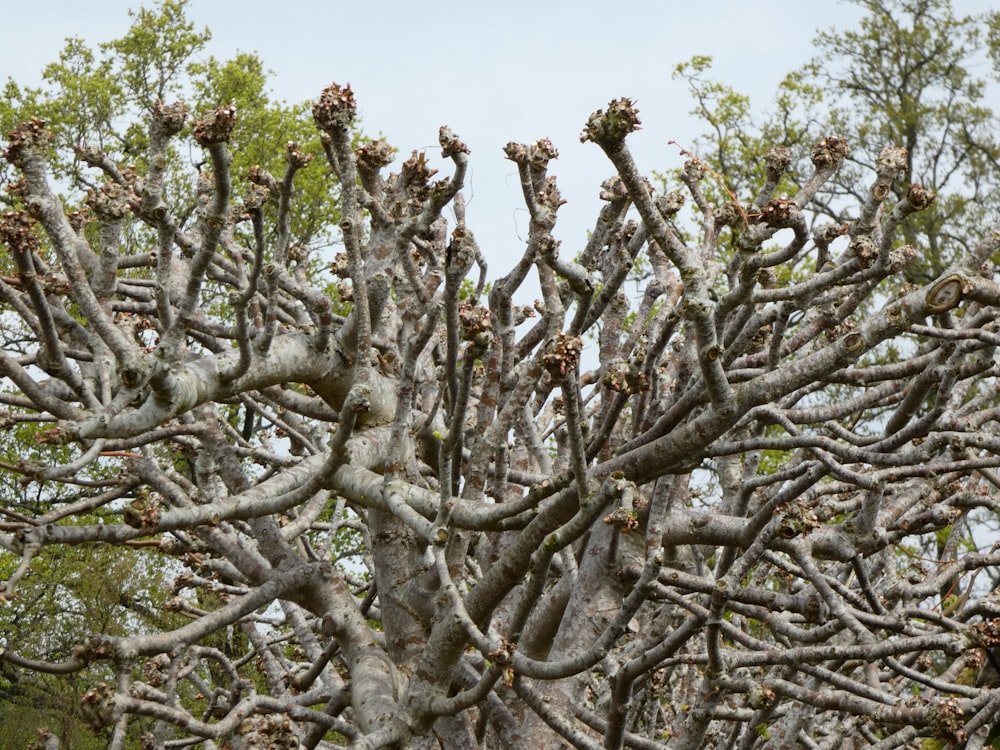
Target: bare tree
[{"x": 735, "y": 510}]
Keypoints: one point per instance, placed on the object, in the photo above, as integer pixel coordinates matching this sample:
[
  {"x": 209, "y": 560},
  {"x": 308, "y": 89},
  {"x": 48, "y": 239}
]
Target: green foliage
[
  {"x": 153, "y": 56},
  {"x": 104, "y": 98},
  {"x": 73, "y": 592},
  {"x": 263, "y": 127},
  {"x": 69, "y": 594},
  {"x": 29, "y": 703},
  {"x": 738, "y": 136},
  {"x": 905, "y": 78}
]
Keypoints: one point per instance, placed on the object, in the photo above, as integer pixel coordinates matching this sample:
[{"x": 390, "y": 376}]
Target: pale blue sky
[{"x": 493, "y": 72}]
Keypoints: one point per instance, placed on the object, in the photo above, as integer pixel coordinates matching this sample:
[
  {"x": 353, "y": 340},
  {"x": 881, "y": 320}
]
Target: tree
[
  {"x": 905, "y": 77},
  {"x": 399, "y": 510}
]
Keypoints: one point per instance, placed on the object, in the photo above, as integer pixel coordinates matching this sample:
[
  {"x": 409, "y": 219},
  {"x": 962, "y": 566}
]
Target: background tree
[
  {"x": 101, "y": 101},
  {"x": 910, "y": 65},
  {"x": 905, "y": 77},
  {"x": 417, "y": 514}
]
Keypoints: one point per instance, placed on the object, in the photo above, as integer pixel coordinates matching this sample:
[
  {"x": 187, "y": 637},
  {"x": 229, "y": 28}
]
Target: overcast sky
[{"x": 492, "y": 71}]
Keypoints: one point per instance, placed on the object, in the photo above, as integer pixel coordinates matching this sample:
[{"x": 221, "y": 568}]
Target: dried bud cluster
[
  {"x": 335, "y": 109},
  {"x": 624, "y": 519},
  {"x": 111, "y": 200},
  {"x": 694, "y": 170},
  {"x": 461, "y": 253},
  {"x": 170, "y": 117},
  {"x": 826, "y": 233},
  {"x": 273, "y": 732},
  {"x": 671, "y": 203},
  {"x": 416, "y": 174},
  {"x": 624, "y": 377},
  {"x": 475, "y": 320},
  {"x": 829, "y": 152},
  {"x": 295, "y": 156},
  {"x": 255, "y": 197},
  {"x": 608, "y": 129},
  {"x": 987, "y": 633},
  {"x": 947, "y": 720},
  {"x": 97, "y": 706},
  {"x": 17, "y": 231},
  {"x": 259, "y": 176},
  {"x": 26, "y": 136},
  {"x": 451, "y": 145},
  {"x": 549, "y": 196},
  {"x": 900, "y": 256},
  {"x": 777, "y": 160},
  {"x": 341, "y": 266},
  {"x": 374, "y": 155},
  {"x": 538, "y": 155},
  {"x": 542, "y": 152},
  {"x": 892, "y": 158},
  {"x": 216, "y": 127},
  {"x": 142, "y": 513},
  {"x": 779, "y": 212},
  {"x": 864, "y": 249},
  {"x": 730, "y": 213},
  {"x": 562, "y": 354},
  {"x": 613, "y": 190},
  {"x": 919, "y": 196}
]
